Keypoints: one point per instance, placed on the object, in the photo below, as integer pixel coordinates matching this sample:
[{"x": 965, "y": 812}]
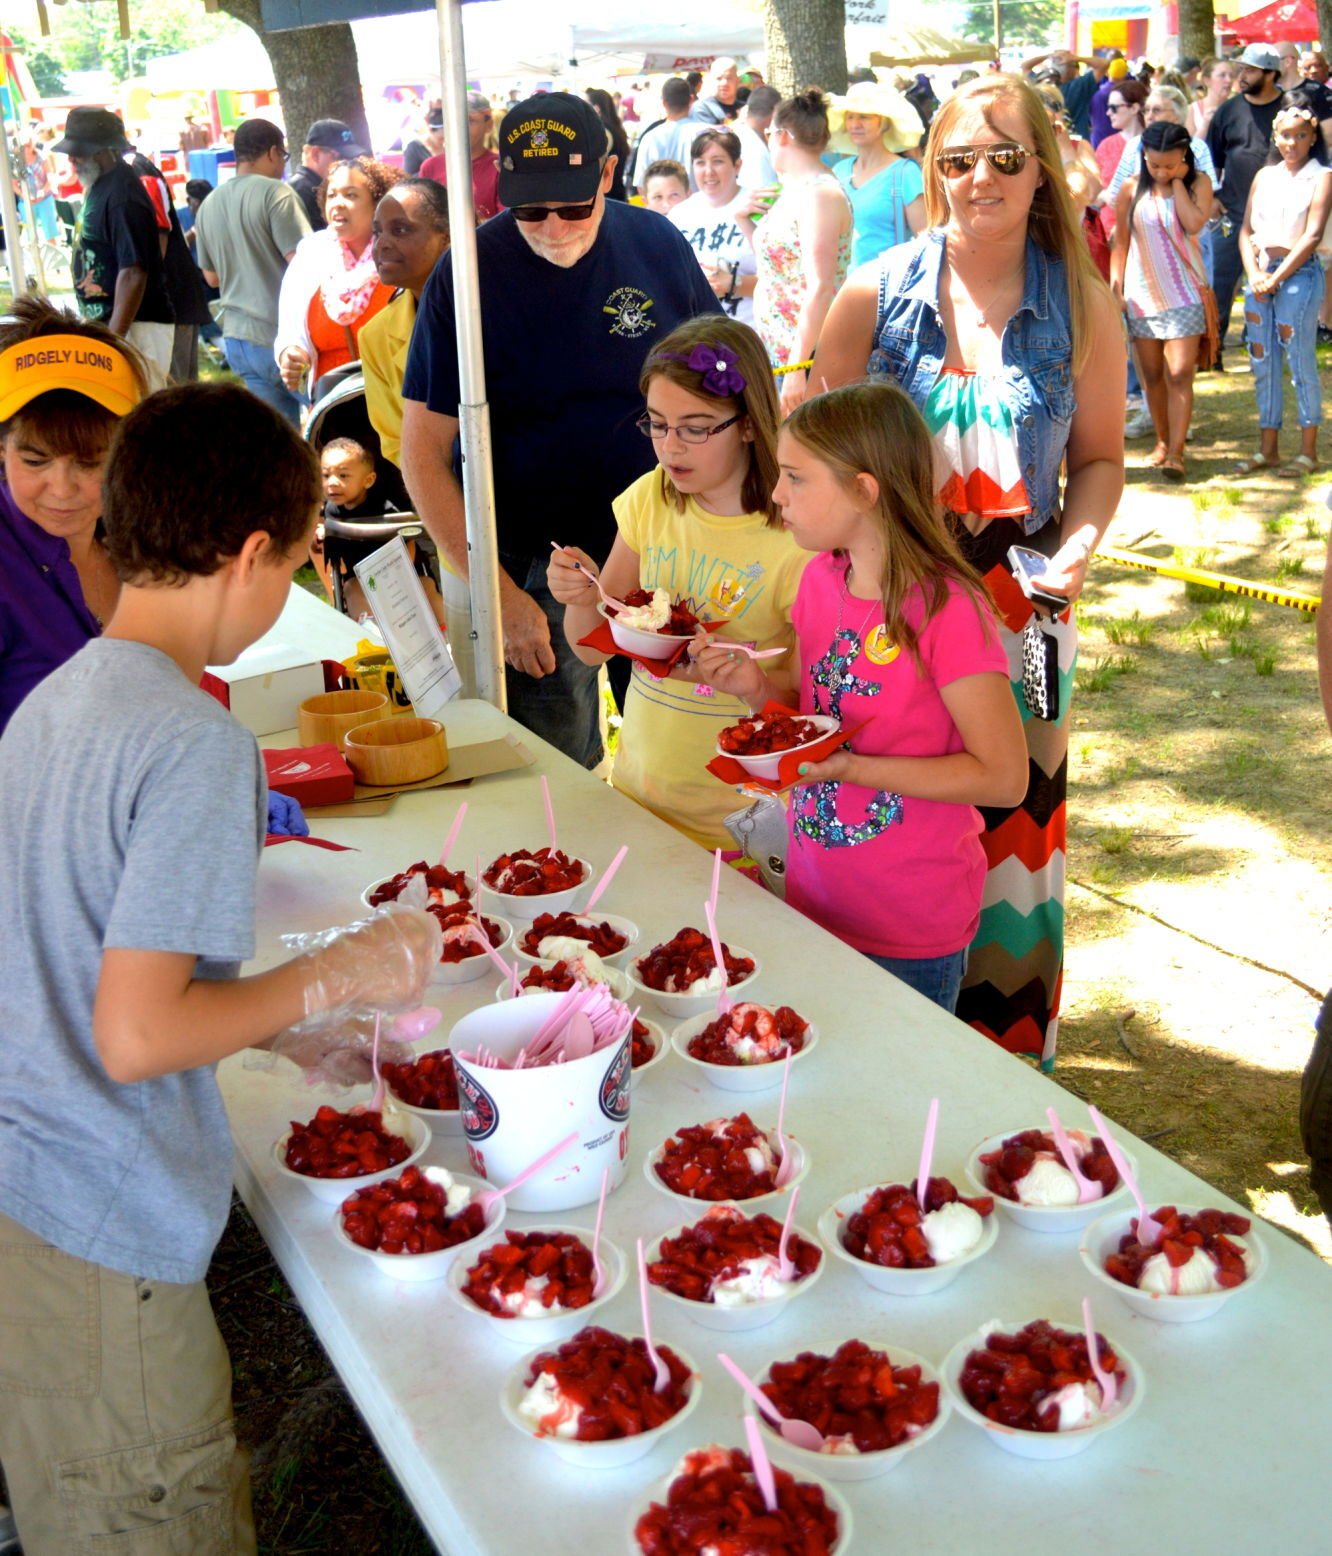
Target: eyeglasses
[
  {"x": 1005, "y": 157},
  {"x": 566, "y": 213},
  {"x": 657, "y": 430}
]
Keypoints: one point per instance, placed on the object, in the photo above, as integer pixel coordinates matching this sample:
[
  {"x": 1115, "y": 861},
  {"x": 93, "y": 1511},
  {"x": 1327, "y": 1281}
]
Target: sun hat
[
  {"x": 75, "y": 362},
  {"x": 550, "y": 148},
  {"x": 88, "y": 130},
  {"x": 902, "y": 127},
  {"x": 1260, "y": 57}
]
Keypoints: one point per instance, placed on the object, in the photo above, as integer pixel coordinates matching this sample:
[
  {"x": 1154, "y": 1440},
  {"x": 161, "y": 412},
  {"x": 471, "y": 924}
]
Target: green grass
[
  {"x": 1226, "y": 616},
  {"x": 1102, "y": 675},
  {"x": 1265, "y": 661},
  {"x": 1123, "y": 630},
  {"x": 1201, "y": 561},
  {"x": 1115, "y": 840},
  {"x": 1289, "y": 567}
]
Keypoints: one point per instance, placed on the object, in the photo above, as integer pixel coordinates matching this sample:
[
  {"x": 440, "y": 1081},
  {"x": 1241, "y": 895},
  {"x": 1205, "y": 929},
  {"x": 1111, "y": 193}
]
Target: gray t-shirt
[
  {"x": 246, "y": 228},
  {"x": 134, "y": 812}
]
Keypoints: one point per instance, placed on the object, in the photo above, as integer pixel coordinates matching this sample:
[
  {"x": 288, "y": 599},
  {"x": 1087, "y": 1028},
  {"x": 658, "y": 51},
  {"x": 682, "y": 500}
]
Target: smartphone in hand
[{"x": 1028, "y": 568}]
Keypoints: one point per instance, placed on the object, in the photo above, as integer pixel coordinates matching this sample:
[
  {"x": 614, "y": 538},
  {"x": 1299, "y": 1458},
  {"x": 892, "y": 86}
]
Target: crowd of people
[{"x": 840, "y": 372}]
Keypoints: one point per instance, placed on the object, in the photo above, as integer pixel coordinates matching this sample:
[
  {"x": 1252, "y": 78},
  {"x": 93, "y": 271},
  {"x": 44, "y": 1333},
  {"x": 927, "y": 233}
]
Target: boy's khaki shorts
[{"x": 115, "y": 1411}]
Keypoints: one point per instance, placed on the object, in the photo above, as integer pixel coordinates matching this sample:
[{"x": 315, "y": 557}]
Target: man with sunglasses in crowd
[{"x": 575, "y": 291}]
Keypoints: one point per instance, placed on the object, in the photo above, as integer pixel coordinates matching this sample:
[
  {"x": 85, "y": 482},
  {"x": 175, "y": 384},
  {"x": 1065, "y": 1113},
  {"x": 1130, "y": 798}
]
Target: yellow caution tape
[{"x": 1222, "y": 581}]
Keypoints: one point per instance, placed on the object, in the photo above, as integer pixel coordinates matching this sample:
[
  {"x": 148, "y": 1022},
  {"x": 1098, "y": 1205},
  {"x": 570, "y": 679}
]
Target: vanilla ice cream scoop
[
  {"x": 548, "y": 1410},
  {"x": 1048, "y": 1183},
  {"x": 709, "y": 984},
  {"x": 526, "y": 1301},
  {"x": 651, "y": 617},
  {"x": 1189, "y": 1280},
  {"x": 757, "y": 1280},
  {"x": 951, "y": 1231},
  {"x": 1079, "y": 1404}
]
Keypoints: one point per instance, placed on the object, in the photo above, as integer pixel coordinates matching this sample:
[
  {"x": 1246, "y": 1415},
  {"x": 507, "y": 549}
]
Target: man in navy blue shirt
[{"x": 575, "y": 291}]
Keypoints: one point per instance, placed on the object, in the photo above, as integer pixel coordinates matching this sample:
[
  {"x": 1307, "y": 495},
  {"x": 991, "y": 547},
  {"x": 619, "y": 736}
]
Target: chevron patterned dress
[{"x": 1015, "y": 965}]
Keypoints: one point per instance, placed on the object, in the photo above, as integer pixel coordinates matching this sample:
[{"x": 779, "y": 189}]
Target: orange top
[{"x": 332, "y": 347}]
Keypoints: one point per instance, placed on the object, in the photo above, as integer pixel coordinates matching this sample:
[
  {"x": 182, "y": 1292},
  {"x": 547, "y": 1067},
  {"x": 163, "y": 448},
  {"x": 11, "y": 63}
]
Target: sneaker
[{"x": 1139, "y": 425}]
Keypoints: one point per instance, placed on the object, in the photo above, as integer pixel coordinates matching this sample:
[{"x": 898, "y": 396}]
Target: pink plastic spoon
[
  {"x": 412, "y": 1025},
  {"x": 579, "y": 1038},
  {"x": 724, "y": 993},
  {"x": 662, "y": 1371},
  {"x": 755, "y": 653},
  {"x": 601, "y": 1280},
  {"x": 799, "y": 1433},
  {"x": 610, "y": 599},
  {"x": 452, "y": 837},
  {"x": 483, "y": 940},
  {"x": 1149, "y": 1228},
  {"x": 1106, "y": 1380},
  {"x": 1087, "y": 1190},
  {"x": 489, "y": 1198},
  {"x": 550, "y": 813},
  {"x": 606, "y": 879},
  {"x": 716, "y": 879},
  {"x": 377, "y": 1097},
  {"x": 761, "y": 1465},
  {"x": 785, "y": 1263},
  {"x": 786, "y": 1167},
  {"x": 927, "y": 1154}
]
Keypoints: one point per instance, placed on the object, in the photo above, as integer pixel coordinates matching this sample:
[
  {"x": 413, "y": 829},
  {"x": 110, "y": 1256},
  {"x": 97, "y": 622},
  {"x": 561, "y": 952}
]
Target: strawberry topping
[
  {"x": 457, "y": 921},
  {"x": 604, "y": 940},
  {"x": 682, "y": 622},
  {"x": 750, "y": 1034},
  {"x": 718, "y": 1247},
  {"x": 438, "y": 880},
  {"x": 715, "y": 1504},
  {"x": 643, "y": 1049},
  {"x": 677, "y": 964},
  {"x": 1007, "y": 1166},
  {"x": 524, "y": 874},
  {"x": 857, "y": 1393},
  {"x": 552, "y": 1268},
  {"x": 407, "y": 1215},
  {"x": 343, "y": 1145},
  {"x": 1182, "y": 1235},
  {"x": 760, "y": 734},
  {"x": 1012, "y": 1378},
  {"x": 730, "y": 1158},
  {"x": 428, "y": 1081},
  {"x": 611, "y": 1380},
  {"x": 886, "y": 1229}
]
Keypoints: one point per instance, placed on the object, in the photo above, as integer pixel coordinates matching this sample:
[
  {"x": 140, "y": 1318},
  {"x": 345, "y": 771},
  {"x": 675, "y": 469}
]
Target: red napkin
[
  {"x": 274, "y": 838},
  {"x": 730, "y": 771},
  {"x": 600, "y": 639},
  {"x": 311, "y": 775}
]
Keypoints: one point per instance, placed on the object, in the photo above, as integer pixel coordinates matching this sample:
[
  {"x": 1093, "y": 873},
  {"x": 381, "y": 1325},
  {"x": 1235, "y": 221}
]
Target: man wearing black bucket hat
[
  {"x": 575, "y": 291},
  {"x": 118, "y": 269}
]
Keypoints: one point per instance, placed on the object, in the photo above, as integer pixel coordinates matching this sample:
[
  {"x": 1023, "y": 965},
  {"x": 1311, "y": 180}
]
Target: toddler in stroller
[{"x": 366, "y": 503}]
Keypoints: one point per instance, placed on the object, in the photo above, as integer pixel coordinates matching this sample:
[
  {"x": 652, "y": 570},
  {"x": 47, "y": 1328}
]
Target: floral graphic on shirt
[
  {"x": 629, "y": 308},
  {"x": 815, "y": 807}
]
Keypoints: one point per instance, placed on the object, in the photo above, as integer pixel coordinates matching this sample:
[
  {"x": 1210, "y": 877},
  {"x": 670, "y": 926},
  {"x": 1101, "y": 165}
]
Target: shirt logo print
[{"x": 629, "y": 308}]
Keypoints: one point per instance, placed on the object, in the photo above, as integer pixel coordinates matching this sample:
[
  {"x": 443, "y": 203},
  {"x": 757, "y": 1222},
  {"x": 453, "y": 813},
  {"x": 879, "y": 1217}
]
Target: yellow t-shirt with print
[{"x": 670, "y": 727}]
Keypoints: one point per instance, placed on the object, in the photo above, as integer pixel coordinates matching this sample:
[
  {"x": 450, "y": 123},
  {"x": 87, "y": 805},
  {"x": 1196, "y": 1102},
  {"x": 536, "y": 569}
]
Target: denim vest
[{"x": 909, "y": 347}]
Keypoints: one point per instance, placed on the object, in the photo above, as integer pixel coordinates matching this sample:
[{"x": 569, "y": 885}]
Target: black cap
[
  {"x": 334, "y": 135},
  {"x": 550, "y": 148},
  {"x": 92, "y": 129}
]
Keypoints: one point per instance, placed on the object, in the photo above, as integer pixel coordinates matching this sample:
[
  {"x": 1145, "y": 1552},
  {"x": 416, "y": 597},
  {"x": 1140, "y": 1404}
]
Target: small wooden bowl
[
  {"x": 325, "y": 719},
  {"x": 401, "y": 750}
]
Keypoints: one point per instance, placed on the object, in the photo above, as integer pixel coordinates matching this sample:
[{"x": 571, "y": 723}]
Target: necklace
[
  {"x": 985, "y": 311},
  {"x": 841, "y": 663}
]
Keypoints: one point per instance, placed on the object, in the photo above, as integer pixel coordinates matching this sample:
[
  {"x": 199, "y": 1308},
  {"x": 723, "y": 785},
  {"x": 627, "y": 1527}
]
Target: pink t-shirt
[{"x": 889, "y": 875}]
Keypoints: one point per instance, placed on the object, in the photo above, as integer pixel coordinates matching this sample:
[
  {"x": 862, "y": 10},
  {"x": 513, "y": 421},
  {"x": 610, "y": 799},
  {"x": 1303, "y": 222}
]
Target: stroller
[{"x": 338, "y": 410}]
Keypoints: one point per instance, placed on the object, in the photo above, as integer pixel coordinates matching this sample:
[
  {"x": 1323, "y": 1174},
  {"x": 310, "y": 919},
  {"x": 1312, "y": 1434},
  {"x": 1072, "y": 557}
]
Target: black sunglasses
[
  {"x": 566, "y": 213},
  {"x": 1005, "y": 157}
]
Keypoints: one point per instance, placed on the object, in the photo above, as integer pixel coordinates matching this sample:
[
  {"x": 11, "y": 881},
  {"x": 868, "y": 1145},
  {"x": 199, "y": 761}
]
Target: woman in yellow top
[{"x": 703, "y": 527}]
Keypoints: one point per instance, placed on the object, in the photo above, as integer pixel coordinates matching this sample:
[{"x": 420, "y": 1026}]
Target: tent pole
[
  {"x": 18, "y": 280},
  {"x": 473, "y": 411}
]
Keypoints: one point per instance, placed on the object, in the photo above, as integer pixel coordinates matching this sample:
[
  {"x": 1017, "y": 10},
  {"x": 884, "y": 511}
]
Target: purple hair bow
[{"x": 721, "y": 375}]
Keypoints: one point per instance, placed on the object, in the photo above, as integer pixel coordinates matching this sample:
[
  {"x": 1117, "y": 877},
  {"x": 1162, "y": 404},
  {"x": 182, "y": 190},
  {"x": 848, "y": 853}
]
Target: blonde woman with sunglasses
[{"x": 997, "y": 325}]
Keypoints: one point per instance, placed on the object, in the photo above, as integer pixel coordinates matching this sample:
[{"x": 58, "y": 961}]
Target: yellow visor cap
[{"x": 73, "y": 362}]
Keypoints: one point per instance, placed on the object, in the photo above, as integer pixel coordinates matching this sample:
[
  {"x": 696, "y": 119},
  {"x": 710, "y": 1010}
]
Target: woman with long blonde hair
[{"x": 997, "y": 325}]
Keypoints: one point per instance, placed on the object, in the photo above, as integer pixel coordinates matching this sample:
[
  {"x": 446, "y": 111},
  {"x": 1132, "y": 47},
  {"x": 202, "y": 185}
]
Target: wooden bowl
[
  {"x": 325, "y": 719},
  {"x": 401, "y": 750}
]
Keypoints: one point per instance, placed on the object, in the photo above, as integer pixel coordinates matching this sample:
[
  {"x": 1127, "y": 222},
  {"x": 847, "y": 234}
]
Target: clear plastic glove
[
  {"x": 339, "y": 1053},
  {"x": 380, "y": 963},
  {"x": 285, "y": 816}
]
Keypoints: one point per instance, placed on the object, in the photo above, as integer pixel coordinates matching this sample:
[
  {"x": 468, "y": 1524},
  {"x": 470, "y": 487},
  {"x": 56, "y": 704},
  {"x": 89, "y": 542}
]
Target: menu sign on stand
[{"x": 411, "y": 633}]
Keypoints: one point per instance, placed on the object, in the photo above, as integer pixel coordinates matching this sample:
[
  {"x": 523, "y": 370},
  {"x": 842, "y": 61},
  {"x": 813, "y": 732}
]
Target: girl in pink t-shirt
[{"x": 895, "y": 635}]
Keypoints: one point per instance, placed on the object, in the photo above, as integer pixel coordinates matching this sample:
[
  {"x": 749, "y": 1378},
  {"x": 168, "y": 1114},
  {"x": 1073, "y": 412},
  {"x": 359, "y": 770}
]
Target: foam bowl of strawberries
[
  {"x": 895, "y": 1246},
  {"x": 463, "y": 957},
  {"x": 711, "y": 1502},
  {"x": 593, "y": 1400},
  {"x": 744, "y": 1050},
  {"x": 535, "y": 1286},
  {"x": 680, "y": 974},
  {"x": 873, "y": 1402},
  {"x": 427, "y": 1086},
  {"x": 1202, "y": 1259},
  {"x": 524, "y": 884},
  {"x": 414, "y": 1226},
  {"x": 760, "y": 740},
  {"x": 1030, "y": 1387},
  {"x": 443, "y": 887},
  {"x": 722, "y": 1271},
  {"x": 559, "y": 976},
  {"x": 655, "y": 624},
  {"x": 725, "y": 1160},
  {"x": 649, "y": 1049},
  {"x": 1031, "y": 1185},
  {"x": 550, "y": 936},
  {"x": 336, "y": 1153}
]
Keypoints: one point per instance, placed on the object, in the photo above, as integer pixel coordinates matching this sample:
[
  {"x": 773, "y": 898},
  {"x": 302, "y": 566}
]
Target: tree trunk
[
  {"x": 316, "y": 70},
  {"x": 1197, "y": 27},
  {"x": 806, "y": 44}
]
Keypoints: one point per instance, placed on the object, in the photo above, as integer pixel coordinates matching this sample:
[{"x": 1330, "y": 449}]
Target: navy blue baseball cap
[
  {"x": 334, "y": 135},
  {"x": 550, "y": 148}
]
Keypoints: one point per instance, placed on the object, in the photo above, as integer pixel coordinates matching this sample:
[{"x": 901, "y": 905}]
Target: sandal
[
  {"x": 1253, "y": 464},
  {"x": 1300, "y": 465},
  {"x": 1173, "y": 469}
]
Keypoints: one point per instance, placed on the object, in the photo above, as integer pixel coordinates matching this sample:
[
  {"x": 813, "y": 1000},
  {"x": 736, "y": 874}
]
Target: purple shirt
[
  {"x": 43, "y": 618},
  {"x": 1100, "y": 114}
]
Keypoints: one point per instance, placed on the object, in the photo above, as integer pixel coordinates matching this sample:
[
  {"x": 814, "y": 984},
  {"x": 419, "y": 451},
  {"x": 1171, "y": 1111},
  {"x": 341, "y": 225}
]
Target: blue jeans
[
  {"x": 1285, "y": 323},
  {"x": 938, "y": 978},
  {"x": 563, "y": 708},
  {"x": 254, "y": 365}
]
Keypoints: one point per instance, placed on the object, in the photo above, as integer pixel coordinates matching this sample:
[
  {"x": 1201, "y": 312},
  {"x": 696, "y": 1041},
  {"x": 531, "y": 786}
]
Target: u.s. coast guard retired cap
[
  {"x": 550, "y": 148},
  {"x": 46, "y": 362}
]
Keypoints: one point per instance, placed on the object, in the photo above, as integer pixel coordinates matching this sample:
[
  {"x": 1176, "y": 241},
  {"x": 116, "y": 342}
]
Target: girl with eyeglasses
[
  {"x": 1125, "y": 106},
  {"x": 702, "y": 526},
  {"x": 998, "y": 326}
]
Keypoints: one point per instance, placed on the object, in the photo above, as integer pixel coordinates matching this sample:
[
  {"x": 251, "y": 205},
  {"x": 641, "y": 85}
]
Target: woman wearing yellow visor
[{"x": 64, "y": 384}]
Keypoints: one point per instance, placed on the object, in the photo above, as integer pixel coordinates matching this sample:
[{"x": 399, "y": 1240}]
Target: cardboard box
[
  {"x": 266, "y": 685},
  {"x": 310, "y": 775}
]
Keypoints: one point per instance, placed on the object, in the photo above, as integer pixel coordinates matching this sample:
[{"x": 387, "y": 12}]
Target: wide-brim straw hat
[{"x": 902, "y": 127}]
